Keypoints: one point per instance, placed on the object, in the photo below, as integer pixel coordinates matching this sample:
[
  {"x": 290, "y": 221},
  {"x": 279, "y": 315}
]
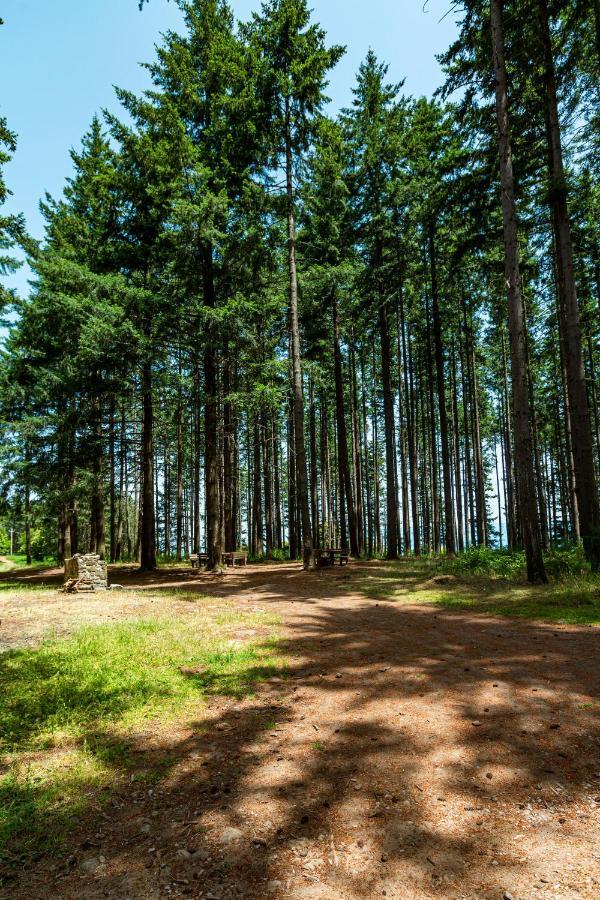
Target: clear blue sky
[{"x": 59, "y": 60}]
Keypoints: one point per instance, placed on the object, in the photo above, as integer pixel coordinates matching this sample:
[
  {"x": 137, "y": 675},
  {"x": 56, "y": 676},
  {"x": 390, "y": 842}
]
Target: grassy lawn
[
  {"x": 570, "y": 598},
  {"x": 71, "y": 708},
  {"x": 19, "y": 561}
]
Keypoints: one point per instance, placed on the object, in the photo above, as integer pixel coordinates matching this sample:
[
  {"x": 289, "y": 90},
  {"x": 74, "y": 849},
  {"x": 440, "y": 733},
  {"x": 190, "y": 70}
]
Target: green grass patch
[
  {"x": 70, "y": 708},
  {"x": 496, "y": 563},
  {"x": 475, "y": 583},
  {"x": 575, "y": 603},
  {"x": 9, "y": 585},
  {"x": 19, "y": 561}
]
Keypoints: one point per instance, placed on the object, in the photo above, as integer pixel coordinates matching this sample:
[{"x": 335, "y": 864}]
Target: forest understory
[{"x": 339, "y": 734}]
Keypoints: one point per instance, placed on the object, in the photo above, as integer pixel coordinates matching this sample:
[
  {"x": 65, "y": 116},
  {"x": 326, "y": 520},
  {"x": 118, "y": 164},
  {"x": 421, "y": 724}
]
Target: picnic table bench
[
  {"x": 327, "y": 556},
  {"x": 239, "y": 556},
  {"x": 198, "y": 559}
]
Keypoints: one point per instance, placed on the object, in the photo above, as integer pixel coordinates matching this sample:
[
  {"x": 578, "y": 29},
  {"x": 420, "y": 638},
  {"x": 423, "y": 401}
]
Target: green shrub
[
  {"x": 566, "y": 560},
  {"x": 279, "y": 555},
  {"x": 485, "y": 561},
  {"x": 560, "y": 562}
]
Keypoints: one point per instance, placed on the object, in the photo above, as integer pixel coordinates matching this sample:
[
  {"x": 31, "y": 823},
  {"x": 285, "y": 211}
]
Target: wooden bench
[
  {"x": 235, "y": 556},
  {"x": 198, "y": 559},
  {"x": 328, "y": 555}
]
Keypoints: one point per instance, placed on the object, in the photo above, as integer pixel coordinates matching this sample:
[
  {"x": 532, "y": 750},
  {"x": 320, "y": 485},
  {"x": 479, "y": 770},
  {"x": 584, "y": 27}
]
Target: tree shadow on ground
[{"x": 411, "y": 751}]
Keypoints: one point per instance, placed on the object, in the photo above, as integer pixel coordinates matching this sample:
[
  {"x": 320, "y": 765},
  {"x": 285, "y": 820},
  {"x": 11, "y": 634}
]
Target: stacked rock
[{"x": 88, "y": 571}]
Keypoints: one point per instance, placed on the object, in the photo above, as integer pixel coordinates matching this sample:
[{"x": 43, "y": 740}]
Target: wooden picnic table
[
  {"x": 239, "y": 556},
  {"x": 198, "y": 559},
  {"x": 328, "y": 555},
  {"x": 229, "y": 559}
]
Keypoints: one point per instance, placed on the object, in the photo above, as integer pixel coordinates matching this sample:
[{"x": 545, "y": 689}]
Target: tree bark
[
  {"x": 112, "y": 505},
  {"x": 582, "y": 444},
  {"x": 435, "y": 505},
  {"x": 308, "y": 555},
  {"x": 516, "y": 315},
  {"x": 356, "y": 454},
  {"x": 457, "y": 477},
  {"x": 441, "y": 391},
  {"x": 257, "y": 512},
  {"x": 27, "y": 524},
  {"x": 314, "y": 475},
  {"x": 342, "y": 436},
  {"x": 214, "y": 548},
  {"x": 388, "y": 422},
  {"x": 179, "y": 478},
  {"x": 147, "y": 529}
]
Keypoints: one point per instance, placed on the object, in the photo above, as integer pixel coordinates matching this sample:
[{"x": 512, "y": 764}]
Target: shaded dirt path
[{"x": 411, "y": 753}]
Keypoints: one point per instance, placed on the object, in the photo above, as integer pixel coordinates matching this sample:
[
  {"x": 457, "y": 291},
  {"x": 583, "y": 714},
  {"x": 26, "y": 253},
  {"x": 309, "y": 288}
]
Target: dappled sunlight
[{"x": 408, "y": 748}]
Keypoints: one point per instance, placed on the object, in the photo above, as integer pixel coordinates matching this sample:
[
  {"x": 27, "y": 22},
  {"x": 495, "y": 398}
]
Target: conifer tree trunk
[
  {"x": 582, "y": 445},
  {"x": 179, "y": 478},
  {"x": 321, "y": 539},
  {"x": 402, "y": 404},
  {"x": 388, "y": 421},
  {"x": 342, "y": 437},
  {"x": 122, "y": 486},
  {"x": 312, "y": 429},
  {"x": 197, "y": 449},
  {"x": 308, "y": 556},
  {"x": 357, "y": 485},
  {"x": 433, "y": 460},
  {"x": 376, "y": 492},
  {"x": 572, "y": 503},
  {"x": 366, "y": 465},
  {"x": 267, "y": 485},
  {"x": 229, "y": 492},
  {"x": 594, "y": 397},
  {"x": 126, "y": 500},
  {"x": 97, "y": 543},
  {"x": 257, "y": 512},
  {"x": 277, "y": 457},
  {"x": 112, "y": 505},
  {"x": 511, "y": 527},
  {"x": 469, "y": 506},
  {"x": 214, "y": 548},
  {"x": 424, "y": 430},
  {"x": 167, "y": 488},
  {"x": 292, "y": 512},
  {"x": 516, "y": 315},
  {"x": 536, "y": 454},
  {"x": 457, "y": 476},
  {"x": 409, "y": 385},
  {"x": 441, "y": 391},
  {"x": 479, "y": 474},
  {"x": 27, "y": 524},
  {"x": 498, "y": 492},
  {"x": 147, "y": 527}
]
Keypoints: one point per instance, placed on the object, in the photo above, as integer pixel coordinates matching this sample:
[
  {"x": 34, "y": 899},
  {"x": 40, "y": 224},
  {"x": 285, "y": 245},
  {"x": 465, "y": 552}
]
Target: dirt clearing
[{"x": 409, "y": 752}]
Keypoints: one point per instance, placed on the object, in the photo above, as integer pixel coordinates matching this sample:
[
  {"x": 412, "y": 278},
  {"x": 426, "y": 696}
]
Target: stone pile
[{"x": 86, "y": 572}]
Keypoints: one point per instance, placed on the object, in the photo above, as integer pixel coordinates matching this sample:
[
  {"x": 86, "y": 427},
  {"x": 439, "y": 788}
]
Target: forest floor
[{"x": 384, "y": 733}]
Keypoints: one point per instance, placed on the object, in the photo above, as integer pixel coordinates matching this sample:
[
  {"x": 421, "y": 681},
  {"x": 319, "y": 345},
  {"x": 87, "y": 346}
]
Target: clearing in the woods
[{"x": 381, "y": 730}]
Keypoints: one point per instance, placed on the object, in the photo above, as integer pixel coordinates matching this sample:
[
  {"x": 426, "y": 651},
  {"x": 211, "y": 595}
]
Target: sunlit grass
[
  {"x": 568, "y": 598},
  {"x": 19, "y": 561},
  {"x": 71, "y": 706},
  {"x": 575, "y": 601}
]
